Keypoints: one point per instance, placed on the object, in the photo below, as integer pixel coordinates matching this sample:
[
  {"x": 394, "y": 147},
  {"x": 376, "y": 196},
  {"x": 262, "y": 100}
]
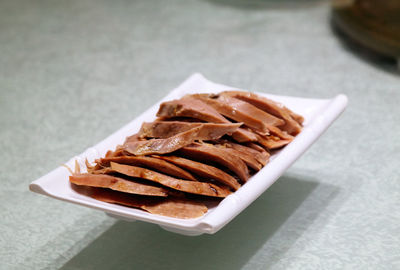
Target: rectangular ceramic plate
[{"x": 318, "y": 114}]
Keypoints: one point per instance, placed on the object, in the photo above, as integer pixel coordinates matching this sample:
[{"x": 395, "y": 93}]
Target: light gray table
[{"x": 72, "y": 72}]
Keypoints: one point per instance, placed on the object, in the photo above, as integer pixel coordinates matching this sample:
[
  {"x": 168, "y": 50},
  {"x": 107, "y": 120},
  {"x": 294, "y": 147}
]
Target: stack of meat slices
[{"x": 201, "y": 147}]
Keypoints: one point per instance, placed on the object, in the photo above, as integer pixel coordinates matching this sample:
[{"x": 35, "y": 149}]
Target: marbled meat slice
[
  {"x": 148, "y": 162},
  {"x": 170, "y": 207},
  {"x": 117, "y": 183},
  {"x": 195, "y": 108},
  {"x": 279, "y": 133},
  {"x": 165, "y": 129},
  {"x": 250, "y": 161},
  {"x": 261, "y": 157},
  {"x": 203, "y": 170},
  {"x": 190, "y": 107},
  {"x": 243, "y": 135},
  {"x": 291, "y": 125},
  {"x": 241, "y": 111},
  {"x": 209, "y": 152},
  {"x": 200, "y": 188},
  {"x": 162, "y": 146},
  {"x": 272, "y": 142}
]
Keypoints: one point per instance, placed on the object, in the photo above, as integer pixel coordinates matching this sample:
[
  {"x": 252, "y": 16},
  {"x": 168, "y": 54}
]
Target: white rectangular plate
[{"x": 318, "y": 113}]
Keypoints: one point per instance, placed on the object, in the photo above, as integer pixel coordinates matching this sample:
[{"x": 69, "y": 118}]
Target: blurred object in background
[{"x": 373, "y": 24}]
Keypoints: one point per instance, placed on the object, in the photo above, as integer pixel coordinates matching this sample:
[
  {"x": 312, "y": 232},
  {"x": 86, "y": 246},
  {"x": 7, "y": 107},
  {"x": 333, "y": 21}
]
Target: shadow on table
[
  {"x": 141, "y": 245},
  {"x": 267, "y": 4}
]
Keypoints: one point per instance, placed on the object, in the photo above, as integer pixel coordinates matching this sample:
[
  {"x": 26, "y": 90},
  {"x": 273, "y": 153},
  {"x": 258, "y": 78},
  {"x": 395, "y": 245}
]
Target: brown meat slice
[
  {"x": 165, "y": 129},
  {"x": 148, "y": 162},
  {"x": 259, "y": 149},
  {"x": 133, "y": 138},
  {"x": 241, "y": 111},
  {"x": 291, "y": 125},
  {"x": 190, "y": 107},
  {"x": 272, "y": 142},
  {"x": 203, "y": 170},
  {"x": 209, "y": 152},
  {"x": 297, "y": 117},
  {"x": 279, "y": 133},
  {"x": 200, "y": 188},
  {"x": 243, "y": 135},
  {"x": 170, "y": 207},
  {"x": 195, "y": 108},
  {"x": 162, "y": 146},
  {"x": 250, "y": 161},
  {"x": 261, "y": 157},
  {"x": 116, "y": 183}
]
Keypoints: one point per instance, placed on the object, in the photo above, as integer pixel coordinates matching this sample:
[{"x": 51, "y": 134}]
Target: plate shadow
[{"x": 141, "y": 245}]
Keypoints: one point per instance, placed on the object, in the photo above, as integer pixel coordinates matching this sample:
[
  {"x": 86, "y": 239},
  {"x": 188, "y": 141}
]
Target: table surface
[{"x": 72, "y": 72}]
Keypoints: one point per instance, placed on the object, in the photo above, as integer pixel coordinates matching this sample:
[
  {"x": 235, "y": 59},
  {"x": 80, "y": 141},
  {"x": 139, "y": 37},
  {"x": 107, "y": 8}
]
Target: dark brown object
[{"x": 372, "y": 23}]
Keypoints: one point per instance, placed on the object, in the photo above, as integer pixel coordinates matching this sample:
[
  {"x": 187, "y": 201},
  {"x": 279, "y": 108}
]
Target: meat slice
[
  {"x": 261, "y": 157},
  {"x": 133, "y": 138},
  {"x": 162, "y": 146},
  {"x": 190, "y": 107},
  {"x": 297, "y": 117},
  {"x": 195, "y": 108},
  {"x": 291, "y": 125},
  {"x": 241, "y": 111},
  {"x": 272, "y": 142},
  {"x": 148, "y": 162},
  {"x": 250, "y": 161},
  {"x": 243, "y": 135},
  {"x": 170, "y": 207},
  {"x": 203, "y": 170},
  {"x": 165, "y": 129},
  {"x": 209, "y": 152},
  {"x": 116, "y": 183},
  {"x": 259, "y": 149},
  {"x": 279, "y": 133},
  {"x": 200, "y": 188}
]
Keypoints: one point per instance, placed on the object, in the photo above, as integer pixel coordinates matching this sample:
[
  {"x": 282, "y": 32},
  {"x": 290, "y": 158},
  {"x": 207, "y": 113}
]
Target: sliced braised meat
[
  {"x": 279, "y": 133},
  {"x": 190, "y": 107},
  {"x": 291, "y": 125},
  {"x": 297, "y": 117},
  {"x": 209, "y": 152},
  {"x": 116, "y": 183},
  {"x": 133, "y": 138},
  {"x": 250, "y": 161},
  {"x": 149, "y": 162},
  {"x": 203, "y": 170},
  {"x": 243, "y": 135},
  {"x": 201, "y": 188},
  {"x": 241, "y": 111},
  {"x": 170, "y": 207},
  {"x": 162, "y": 146},
  {"x": 261, "y": 157},
  {"x": 259, "y": 149},
  {"x": 272, "y": 142},
  {"x": 165, "y": 129},
  {"x": 195, "y": 108}
]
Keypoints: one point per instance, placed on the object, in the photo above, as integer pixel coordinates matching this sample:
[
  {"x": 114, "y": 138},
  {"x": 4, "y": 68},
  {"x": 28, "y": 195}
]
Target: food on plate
[{"x": 200, "y": 149}]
